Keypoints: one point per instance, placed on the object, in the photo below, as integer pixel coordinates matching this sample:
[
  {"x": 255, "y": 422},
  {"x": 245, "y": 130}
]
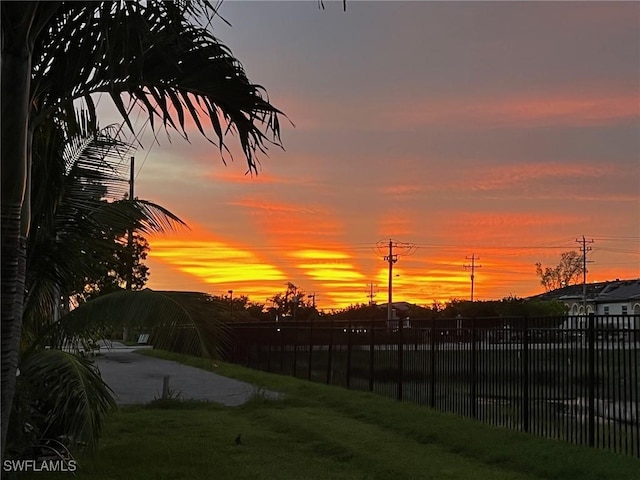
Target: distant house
[
  {"x": 399, "y": 310},
  {"x": 619, "y": 298}
]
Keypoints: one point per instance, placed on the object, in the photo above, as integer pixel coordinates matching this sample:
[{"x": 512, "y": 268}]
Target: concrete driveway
[{"x": 135, "y": 379}]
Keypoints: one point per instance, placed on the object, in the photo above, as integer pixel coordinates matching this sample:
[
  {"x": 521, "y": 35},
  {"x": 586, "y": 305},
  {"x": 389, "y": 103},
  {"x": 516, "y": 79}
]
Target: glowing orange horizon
[{"x": 340, "y": 276}]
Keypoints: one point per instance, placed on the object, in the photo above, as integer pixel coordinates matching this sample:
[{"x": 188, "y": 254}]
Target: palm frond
[
  {"x": 70, "y": 395},
  {"x": 154, "y": 55},
  {"x": 141, "y": 215},
  {"x": 98, "y": 158},
  {"x": 75, "y": 228},
  {"x": 186, "y": 322}
]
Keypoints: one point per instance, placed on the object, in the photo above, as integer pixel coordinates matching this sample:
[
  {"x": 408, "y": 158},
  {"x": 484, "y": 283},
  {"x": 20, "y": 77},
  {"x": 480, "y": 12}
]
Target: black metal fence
[{"x": 574, "y": 379}]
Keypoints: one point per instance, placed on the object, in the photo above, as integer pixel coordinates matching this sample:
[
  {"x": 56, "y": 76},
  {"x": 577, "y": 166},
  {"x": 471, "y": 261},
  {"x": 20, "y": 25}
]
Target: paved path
[{"x": 136, "y": 378}]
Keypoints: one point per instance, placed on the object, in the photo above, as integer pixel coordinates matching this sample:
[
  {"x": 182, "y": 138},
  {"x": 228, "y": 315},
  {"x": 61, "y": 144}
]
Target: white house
[{"x": 616, "y": 303}]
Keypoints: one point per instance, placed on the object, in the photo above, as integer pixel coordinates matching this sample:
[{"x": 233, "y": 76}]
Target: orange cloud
[
  {"x": 394, "y": 225},
  {"x": 514, "y": 175},
  {"x": 290, "y": 224},
  {"x": 210, "y": 261},
  {"x": 237, "y": 177},
  {"x": 290, "y": 230},
  {"x": 556, "y": 108},
  {"x": 332, "y": 270},
  {"x": 275, "y": 207},
  {"x": 570, "y": 110},
  {"x": 538, "y": 180},
  {"x": 320, "y": 255},
  {"x": 401, "y": 189},
  {"x": 493, "y": 220},
  {"x": 215, "y": 262},
  {"x": 242, "y": 176},
  {"x": 503, "y": 229}
]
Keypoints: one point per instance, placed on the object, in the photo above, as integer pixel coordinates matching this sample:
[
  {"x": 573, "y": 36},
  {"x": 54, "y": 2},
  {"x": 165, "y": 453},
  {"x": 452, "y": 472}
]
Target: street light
[{"x": 230, "y": 292}]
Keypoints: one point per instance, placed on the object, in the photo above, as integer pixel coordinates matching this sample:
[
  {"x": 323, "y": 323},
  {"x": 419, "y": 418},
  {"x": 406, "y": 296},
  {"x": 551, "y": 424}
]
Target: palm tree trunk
[{"x": 15, "y": 80}]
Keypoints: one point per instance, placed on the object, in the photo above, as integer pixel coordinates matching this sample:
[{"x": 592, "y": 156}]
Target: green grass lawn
[{"x": 321, "y": 432}]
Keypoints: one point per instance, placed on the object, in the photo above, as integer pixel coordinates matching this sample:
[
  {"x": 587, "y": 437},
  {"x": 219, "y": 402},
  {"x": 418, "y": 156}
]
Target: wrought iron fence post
[
  {"x": 254, "y": 353},
  {"x": 432, "y": 355},
  {"x": 525, "y": 374},
  {"x": 474, "y": 371},
  {"x": 400, "y": 355},
  {"x": 371, "y": 354},
  {"x": 310, "y": 347},
  {"x": 233, "y": 346},
  {"x": 329, "y": 348},
  {"x": 295, "y": 348},
  {"x": 269, "y": 342},
  {"x": 348, "y": 354},
  {"x": 592, "y": 380},
  {"x": 248, "y": 349},
  {"x": 282, "y": 329},
  {"x": 261, "y": 349}
]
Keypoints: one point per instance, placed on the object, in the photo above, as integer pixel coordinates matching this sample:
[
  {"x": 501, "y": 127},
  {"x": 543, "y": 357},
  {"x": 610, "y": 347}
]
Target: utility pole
[
  {"x": 371, "y": 294},
  {"x": 584, "y": 249},
  {"x": 129, "y": 254},
  {"x": 130, "y": 232},
  {"x": 473, "y": 267},
  {"x": 391, "y": 258}
]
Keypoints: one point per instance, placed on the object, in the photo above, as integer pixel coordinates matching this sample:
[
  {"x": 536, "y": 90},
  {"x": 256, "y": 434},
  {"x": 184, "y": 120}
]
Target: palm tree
[
  {"x": 75, "y": 226},
  {"x": 78, "y": 217},
  {"x": 158, "y": 55}
]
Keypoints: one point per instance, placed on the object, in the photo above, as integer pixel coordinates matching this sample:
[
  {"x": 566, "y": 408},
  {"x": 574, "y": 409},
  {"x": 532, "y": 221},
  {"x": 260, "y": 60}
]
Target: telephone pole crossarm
[
  {"x": 472, "y": 267},
  {"x": 391, "y": 258},
  {"x": 584, "y": 249}
]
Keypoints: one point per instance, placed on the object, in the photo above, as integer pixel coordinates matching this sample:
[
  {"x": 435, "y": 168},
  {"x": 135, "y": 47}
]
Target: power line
[
  {"x": 617, "y": 238},
  {"x": 492, "y": 247},
  {"x": 618, "y": 250},
  {"x": 362, "y": 246}
]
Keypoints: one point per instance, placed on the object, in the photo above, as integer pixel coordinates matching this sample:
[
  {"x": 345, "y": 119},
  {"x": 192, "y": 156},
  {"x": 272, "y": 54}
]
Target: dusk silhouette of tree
[{"x": 566, "y": 273}]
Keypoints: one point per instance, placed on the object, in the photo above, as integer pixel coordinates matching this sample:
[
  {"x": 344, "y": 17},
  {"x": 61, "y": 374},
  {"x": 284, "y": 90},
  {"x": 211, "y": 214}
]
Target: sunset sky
[{"x": 504, "y": 130}]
